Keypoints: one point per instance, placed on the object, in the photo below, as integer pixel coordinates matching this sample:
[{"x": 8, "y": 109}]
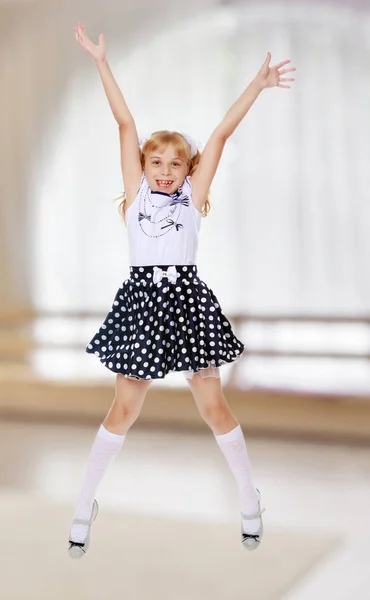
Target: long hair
[{"x": 158, "y": 141}]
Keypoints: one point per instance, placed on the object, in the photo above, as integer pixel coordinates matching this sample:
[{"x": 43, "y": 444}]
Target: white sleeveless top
[{"x": 162, "y": 228}]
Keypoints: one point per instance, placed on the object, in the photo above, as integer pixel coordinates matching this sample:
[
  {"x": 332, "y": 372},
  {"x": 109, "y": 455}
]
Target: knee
[
  {"x": 126, "y": 408},
  {"x": 127, "y": 404},
  {"x": 215, "y": 414}
]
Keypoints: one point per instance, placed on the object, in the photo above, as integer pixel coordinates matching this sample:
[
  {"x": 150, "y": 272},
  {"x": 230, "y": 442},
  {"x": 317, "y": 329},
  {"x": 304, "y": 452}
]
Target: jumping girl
[{"x": 164, "y": 317}]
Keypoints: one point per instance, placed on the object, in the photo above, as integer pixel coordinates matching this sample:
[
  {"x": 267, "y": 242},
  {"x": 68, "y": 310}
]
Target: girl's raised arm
[
  {"x": 129, "y": 142},
  {"x": 266, "y": 77}
]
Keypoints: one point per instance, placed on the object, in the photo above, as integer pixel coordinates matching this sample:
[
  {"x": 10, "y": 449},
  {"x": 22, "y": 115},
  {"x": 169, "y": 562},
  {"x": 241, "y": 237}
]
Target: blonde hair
[{"x": 157, "y": 141}]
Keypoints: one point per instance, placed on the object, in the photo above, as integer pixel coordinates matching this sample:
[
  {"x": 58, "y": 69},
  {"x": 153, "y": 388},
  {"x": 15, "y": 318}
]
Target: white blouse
[{"x": 163, "y": 229}]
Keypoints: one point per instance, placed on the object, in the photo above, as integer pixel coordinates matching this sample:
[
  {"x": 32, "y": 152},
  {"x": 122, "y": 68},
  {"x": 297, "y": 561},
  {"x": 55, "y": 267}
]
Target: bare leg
[
  {"x": 212, "y": 404},
  {"x": 127, "y": 404}
]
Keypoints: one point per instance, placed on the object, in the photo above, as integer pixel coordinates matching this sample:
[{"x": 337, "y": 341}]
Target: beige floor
[{"x": 168, "y": 526}]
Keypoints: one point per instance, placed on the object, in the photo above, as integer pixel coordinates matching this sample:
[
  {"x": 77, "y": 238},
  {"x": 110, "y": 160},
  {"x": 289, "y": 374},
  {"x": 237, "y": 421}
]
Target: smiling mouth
[{"x": 162, "y": 183}]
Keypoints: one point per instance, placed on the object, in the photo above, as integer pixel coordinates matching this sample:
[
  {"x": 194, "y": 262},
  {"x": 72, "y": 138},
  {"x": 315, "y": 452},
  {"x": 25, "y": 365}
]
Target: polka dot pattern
[{"x": 154, "y": 329}]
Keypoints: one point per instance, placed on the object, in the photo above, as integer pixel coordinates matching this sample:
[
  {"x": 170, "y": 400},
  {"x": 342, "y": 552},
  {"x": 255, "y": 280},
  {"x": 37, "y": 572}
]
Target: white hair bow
[
  {"x": 193, "y": 145},
  {"x": 171, "y": 273}
]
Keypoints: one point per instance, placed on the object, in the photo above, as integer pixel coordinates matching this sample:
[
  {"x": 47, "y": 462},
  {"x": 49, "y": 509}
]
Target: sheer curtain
[
  {"x": 302, "y": 159},
  {"x": 287, "y": 232},
  {"x": 288, "y": 227}
]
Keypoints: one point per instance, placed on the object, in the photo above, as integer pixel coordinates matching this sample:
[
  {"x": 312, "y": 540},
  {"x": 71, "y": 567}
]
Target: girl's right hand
[{"x": 97, "y": 52}]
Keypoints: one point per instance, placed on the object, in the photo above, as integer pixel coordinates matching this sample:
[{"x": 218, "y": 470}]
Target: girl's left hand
[{"x": 272, "y": 76}]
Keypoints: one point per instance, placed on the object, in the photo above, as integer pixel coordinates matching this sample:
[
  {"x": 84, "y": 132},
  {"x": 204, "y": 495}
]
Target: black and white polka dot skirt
[{"x": 165, "y": 319}]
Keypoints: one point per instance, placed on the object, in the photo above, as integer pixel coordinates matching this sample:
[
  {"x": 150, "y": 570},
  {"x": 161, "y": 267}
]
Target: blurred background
[{"x": 285, "y": 249}]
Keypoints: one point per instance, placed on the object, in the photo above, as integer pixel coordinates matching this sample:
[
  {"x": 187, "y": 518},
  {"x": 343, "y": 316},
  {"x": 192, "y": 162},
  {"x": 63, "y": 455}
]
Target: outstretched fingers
[
  {"x": 285, "y": 79},
  {"x": 287, "y": 70},
  {"x": 281, "y": 72},
  {"x": 79, "y": 33},
  {"x": 281, "y": 64}
]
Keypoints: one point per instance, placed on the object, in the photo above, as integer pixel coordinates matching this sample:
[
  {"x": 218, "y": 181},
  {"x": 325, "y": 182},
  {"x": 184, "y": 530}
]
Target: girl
[{"x": 164, "y": 318}]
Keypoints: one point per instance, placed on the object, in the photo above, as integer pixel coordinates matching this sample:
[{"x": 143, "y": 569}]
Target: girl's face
[{"x": 166, "y": 170}]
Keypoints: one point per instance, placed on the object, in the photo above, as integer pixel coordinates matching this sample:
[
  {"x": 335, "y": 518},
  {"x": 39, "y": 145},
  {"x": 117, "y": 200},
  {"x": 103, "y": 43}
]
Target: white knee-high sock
[
  {"x": 233, "y": 447},
  {"x": 104, "y": 449}
]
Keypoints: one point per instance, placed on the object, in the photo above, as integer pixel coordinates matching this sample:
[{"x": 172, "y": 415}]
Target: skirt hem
[{"x": 150, "y": 378}]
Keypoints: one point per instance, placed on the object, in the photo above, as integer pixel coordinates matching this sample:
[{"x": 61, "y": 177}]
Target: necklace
[
  {"x": 170, "y": 213},
  {"x": 171, "y": 197},
  {"x": 175, "y": 200}
]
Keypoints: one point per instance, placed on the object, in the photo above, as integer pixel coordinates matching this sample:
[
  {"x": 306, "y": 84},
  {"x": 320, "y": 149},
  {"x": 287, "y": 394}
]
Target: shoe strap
[
  {"x": 255, "y": 516},
  {"x": 81, "y": 522}
]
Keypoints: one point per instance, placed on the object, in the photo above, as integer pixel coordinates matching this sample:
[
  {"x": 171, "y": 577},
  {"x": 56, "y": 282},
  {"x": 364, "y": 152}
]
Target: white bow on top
[{"x": 171, "y": 273}]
